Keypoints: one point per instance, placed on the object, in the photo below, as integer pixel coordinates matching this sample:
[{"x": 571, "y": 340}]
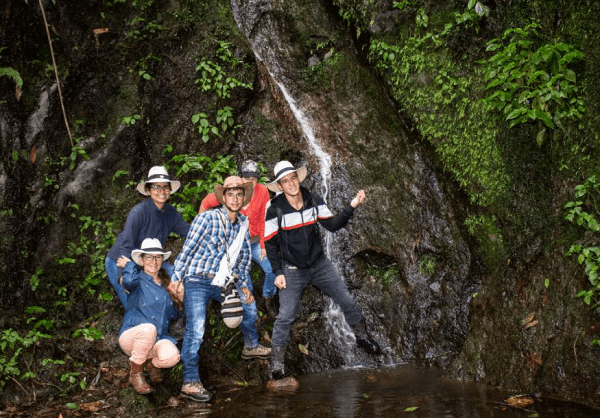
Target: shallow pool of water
[{"x": 390, "y": 392}]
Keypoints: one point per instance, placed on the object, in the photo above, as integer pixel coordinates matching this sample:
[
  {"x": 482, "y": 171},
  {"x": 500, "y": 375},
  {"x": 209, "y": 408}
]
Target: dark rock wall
[{"x": 405, "y": 255}]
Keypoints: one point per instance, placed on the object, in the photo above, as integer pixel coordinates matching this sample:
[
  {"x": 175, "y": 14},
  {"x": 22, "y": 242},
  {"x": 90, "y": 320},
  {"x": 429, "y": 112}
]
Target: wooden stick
[{"x": 56, "y": 73}]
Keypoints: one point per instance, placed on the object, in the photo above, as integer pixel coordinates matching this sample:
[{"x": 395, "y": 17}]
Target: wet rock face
[
  {"x": 402, "y": 255},
  {"x": 527, "y": 337}
]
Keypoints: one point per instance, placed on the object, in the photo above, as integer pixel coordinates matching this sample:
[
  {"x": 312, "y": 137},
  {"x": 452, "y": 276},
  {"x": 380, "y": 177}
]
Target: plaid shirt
[{"x": 205, "y": 247}]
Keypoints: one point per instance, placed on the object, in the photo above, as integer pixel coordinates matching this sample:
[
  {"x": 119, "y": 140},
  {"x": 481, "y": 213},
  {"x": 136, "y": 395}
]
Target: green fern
[{"x": 12, "y": 74}]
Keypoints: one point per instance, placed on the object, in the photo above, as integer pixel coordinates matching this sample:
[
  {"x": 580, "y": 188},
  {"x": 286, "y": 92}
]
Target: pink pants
[{"x": 138, "y": 342}]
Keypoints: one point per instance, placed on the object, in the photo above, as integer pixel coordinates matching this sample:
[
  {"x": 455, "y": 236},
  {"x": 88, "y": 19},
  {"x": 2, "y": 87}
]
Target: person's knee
[
  {"x": 147, "y": 331},
  {"x": 167, "y": 354}
]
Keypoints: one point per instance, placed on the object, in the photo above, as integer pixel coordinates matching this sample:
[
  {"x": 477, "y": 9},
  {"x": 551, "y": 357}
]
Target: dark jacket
[
  {"x": 293, "y": 236},
  {"x": 148, "y": 302},
  {"x": 145, "y": 220}
]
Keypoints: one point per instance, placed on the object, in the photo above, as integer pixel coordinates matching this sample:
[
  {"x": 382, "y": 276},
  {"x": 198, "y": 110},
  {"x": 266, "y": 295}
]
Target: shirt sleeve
[
  {"x": 260, "y": 212},
  {"x": 209, "y": 202},
  {"x": 131, "y": 279},
  {"x": 190, "y": 247},
  {"x": 132, "y": 229},
  {"x": 271, "y": 237},
  {"x": 327, "y": 219}
]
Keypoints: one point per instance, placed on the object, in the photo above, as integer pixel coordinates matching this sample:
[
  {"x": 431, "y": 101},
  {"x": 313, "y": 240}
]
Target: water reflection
[{"x": 389, "y": 392}]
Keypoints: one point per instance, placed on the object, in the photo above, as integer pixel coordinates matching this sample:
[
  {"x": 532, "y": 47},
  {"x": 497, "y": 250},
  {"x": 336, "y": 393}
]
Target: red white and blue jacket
[{"x": 292, "y": 236}]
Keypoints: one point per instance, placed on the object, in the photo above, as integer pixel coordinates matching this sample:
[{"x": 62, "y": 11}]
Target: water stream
[
  {"x": 384, "y": 392},
  {"x": 341, "y": 336}
]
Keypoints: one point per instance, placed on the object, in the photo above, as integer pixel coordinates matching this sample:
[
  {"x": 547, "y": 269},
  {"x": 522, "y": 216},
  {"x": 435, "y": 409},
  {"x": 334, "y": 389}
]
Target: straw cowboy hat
[
  {"x": 282, "y": 169},
  {"x": 158, "y": 174},
  {"x": 234, "y": 182},
  {"x": 149, "y": 246}
]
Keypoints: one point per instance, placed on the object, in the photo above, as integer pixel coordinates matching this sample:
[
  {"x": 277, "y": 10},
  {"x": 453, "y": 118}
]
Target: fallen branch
[
  {"x": 21, "y": 386},
  {"x": 56, "y": 73}
]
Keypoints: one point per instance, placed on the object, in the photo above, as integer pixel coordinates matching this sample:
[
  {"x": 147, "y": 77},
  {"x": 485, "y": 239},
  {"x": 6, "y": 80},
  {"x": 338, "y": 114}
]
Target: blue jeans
[
  {"x": 269, "y": 288},
  {"x": 112, "y": 271},
  {"x": 198, "y": 293},
  {"x": 321, "y": 274}
]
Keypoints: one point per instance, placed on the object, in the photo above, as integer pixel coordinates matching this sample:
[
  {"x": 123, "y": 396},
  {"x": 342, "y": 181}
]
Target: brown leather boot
[
  {"x": 155, "y": 372},
  {"x": 137, "y": 379}
]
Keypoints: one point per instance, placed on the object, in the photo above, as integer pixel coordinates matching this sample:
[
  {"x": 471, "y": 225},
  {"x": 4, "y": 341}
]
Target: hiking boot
[
  {"x": 195, "y": 391},
  {"x": 257, "y": 352},
  {"x": 155, "y": 372},
  {"x": 277, "y": 365},
  {"x": 271, "y": 308},
  {"x": 364, "y": 340},
  {"x": 137, "y": 379},
  {"x": 231, "y": 305}
]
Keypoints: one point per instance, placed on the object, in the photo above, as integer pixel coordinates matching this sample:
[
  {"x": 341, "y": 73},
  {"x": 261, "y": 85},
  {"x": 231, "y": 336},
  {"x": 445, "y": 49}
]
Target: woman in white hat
[
  {"x": 144, "y": 333},
  {"x": 153, "y": 217}
]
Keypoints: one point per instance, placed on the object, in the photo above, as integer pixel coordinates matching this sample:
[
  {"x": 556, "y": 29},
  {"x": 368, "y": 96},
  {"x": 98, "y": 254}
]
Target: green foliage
[
  {"x": 202, "y": 123},
  {"x": 14, "y": 344},
  {"x": 440, "y": 95},
  {"x": 427, "y": 264},
  {"x": 217, "y": 75},
  {"x": 207, "y": 172},
  {"x": 143, "y": 24},
  {"x": 530, "y": 83},
  {"x": 143, "y": 66},
  {"x": 227, "y": 342},
  {"x": 386, "y": 275},
  {"x": 131, "y": 120},
  {"x": 95, "y": 239},
  {"x": 584, "y": 211},
  {"x": 90, "y": 333},
  {"x": 489, "y": 237},
  {"x": 213, "y": 75},
  {"x": 359, "y": 13},
  {"x": 11, "y": 73},
  {"x": 76, "y": 151},
  {"x": 34, "y": 280},
  {"x": 321, "y": 74},
  {"x": 65, "y": 162}
]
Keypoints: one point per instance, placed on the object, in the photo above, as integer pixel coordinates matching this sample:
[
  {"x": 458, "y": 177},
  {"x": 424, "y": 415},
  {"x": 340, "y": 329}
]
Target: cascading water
[{"x": 341, "y": 336}]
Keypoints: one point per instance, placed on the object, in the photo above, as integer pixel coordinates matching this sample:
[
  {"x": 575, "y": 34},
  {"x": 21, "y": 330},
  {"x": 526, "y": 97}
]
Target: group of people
[{"x": 237, "y": 224}]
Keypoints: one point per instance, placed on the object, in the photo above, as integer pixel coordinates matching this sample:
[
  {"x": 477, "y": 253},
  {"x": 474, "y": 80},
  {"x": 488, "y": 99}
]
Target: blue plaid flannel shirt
[{"x": 205, "y": 246}]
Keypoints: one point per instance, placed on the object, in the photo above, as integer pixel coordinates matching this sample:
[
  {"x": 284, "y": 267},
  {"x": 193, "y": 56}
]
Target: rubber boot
[
  {"x": 271, "y": 308},
  {"x": 277, "y": 363},
  {"x": 137, "y": 379},
  {"x": 364, "y": 340},
  {"x": 155, "y": 372}
]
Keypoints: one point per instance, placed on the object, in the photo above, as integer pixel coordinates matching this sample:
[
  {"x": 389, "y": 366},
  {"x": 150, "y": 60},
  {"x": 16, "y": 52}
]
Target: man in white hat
[
  {"x": 216, "y": 251},
  {"x": 296, "y": 253},
  {"x": 152, "y": 218}
]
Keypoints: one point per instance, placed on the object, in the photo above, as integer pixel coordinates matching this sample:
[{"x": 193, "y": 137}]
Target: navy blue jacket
[{"x": 145, "y": 220}]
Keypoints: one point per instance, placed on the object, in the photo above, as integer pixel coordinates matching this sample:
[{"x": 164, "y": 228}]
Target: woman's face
[
  {"x": 160, "y": 192},
  {"x": 152, "y": 263}
]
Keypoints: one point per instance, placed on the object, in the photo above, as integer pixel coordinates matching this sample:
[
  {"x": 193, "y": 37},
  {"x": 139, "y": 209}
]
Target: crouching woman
[{"x": 144, "y": 333}]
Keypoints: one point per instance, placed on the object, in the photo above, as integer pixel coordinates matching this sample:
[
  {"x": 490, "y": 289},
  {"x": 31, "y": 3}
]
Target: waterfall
[{"x": 340, "y": 334}]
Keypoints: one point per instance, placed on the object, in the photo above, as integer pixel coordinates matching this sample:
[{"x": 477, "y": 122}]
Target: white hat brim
[{"x": 274, "y": 187}]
